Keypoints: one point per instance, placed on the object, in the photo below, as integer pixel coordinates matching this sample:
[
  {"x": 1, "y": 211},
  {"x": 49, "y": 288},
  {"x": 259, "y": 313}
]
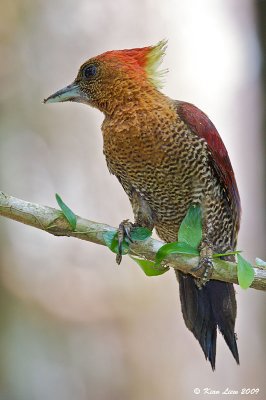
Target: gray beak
[{"x": 69, "y": 93}]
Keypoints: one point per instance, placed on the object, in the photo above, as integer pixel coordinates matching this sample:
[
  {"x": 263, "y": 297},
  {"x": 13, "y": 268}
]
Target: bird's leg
[
  {"x": 143, "y": 217},
  {"x": 123, "y": 232},
  {"x": 205, "y": 263}
]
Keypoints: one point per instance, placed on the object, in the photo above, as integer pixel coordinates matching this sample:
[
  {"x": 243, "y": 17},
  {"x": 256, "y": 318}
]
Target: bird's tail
[{"x": 206, "y": 309}]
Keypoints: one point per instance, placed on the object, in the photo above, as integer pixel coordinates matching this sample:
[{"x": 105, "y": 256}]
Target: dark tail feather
[
  {"x": 203, "y": 310},
  {"x": 222, "y": 296}
]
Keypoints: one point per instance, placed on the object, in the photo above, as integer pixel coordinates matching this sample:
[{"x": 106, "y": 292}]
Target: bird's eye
[{"x": 90, "y": 71}]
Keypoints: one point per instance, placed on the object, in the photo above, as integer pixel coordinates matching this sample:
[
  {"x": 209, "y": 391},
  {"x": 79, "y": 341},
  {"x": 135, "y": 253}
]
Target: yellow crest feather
[{"x": 154, "y": 60}]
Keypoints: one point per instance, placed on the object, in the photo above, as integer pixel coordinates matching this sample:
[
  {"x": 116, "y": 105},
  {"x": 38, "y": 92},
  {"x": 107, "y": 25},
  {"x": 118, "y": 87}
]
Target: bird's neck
[
  {"x": 136, "y": 103},
  {"x": 138, "y": 117}
]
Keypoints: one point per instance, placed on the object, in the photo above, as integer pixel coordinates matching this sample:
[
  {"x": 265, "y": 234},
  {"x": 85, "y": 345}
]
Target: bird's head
[{"x": 114, "y": 76}]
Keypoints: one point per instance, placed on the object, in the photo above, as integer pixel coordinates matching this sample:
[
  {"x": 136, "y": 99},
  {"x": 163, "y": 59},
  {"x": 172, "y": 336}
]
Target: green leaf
[
  {"x": 229, "y": 253},
  {"x": 109, "y": 237},
  {"x": 140, "y": 233},
  {"x": 260, "y": 263},
  {"x": 190, "y": 230},
  {"x": 174, "y": 248},
  {"x": 70, "y": 216},
  {"x": 149, "y": 267},
  {"x": 245, "y": 272},
  {"x": 111, "y": 241}
]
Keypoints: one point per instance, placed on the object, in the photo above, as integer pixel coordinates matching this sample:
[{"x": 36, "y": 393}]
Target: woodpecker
[{"x": 167, "y": 155}]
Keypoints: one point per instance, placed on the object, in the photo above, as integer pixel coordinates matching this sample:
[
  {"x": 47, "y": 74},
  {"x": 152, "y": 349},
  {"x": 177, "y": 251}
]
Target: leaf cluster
[{"x": 187, "y": 244}]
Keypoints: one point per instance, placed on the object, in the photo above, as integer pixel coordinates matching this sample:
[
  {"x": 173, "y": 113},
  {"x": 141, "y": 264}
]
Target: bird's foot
[
  {"x": 205, "y": 264},
  {"x": 123, "y": 232}
]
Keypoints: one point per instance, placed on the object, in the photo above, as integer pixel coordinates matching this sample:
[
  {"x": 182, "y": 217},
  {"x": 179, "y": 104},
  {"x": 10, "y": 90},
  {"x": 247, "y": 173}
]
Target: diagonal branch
[{"x": 53, "y": 221}]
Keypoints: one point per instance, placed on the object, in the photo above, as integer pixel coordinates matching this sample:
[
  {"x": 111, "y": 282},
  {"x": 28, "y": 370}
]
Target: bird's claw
[
  {"x": 123, "y": 232},
  {"x": 205, "y": 264}
]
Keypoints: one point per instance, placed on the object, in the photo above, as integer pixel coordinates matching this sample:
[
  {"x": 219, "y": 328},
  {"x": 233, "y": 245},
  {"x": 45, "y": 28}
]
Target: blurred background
[{"x": 72, "y": 324}]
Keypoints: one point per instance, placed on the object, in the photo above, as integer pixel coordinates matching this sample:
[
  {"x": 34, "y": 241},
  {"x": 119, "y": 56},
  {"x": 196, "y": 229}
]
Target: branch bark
[{"x": 53, "y": 221}]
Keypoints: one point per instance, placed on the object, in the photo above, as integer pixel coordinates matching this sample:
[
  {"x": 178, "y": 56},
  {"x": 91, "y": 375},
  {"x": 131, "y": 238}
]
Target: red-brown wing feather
[{"x": 202, "y": 126}]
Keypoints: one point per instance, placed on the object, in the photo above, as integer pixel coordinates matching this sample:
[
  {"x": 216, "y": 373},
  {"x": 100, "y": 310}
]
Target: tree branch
[{"x": 53, "y": 221}]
